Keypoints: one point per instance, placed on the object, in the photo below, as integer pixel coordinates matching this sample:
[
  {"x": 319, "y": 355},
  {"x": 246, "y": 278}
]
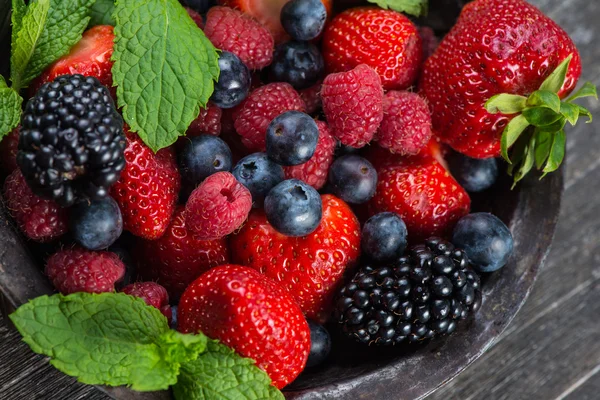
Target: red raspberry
[
  {"x": 429, "y": 40},
  {"x": 260, "y": 107},
  {"x": 78, "y": 270},
  {"x": 312, "y": 98},
  {"x": 353, "y": 104},
  {"x": 406, "y": 125},
  {"x": 217, "y": 207},
  {"x": 314, "y": 171},
  {"x": 9, "y": 146},
  {"x": 230, "y": 30},
  {"x": 208, "y": 122},
  {"x": 197, "y": 18},
  {"x": 153, "y": 294},
  {"x": 40, "y": 219},
  {"x": 179, "y": 257}
]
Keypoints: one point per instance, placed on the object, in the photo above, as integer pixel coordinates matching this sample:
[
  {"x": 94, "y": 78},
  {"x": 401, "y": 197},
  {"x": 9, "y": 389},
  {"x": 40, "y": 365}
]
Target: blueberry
[
  {"x": 298, "y": 63},
  {"x": 200, "y": 6},
  {"x": 353, "y": 179},
  {"x": 174, "y": 317},
  {"x": 294, "y": 208},
  {"x": 342, "y": 150},
  {"x": 472, "y": 174},
  {"x": 320, "y": 344},
  {"x": 384, "y": 237},
  {"x": 486, "y": 240},
  {"x": 259, "y": 174},
  {"x": 234, "y": 81},
  {"x": 96, "y": 224},
  {"x": 292, "y": 138},
  {"x": 201, "y": 157},
  {"x": 303, "y": 19}
]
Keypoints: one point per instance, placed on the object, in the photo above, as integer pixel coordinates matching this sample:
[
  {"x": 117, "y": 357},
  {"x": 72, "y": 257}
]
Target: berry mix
[{"x": 322, "y": 191}]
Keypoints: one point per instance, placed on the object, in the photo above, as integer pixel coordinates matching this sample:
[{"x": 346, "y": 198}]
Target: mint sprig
[
  {"x": 535, "y": 136},
  {"x": 101, "y": 13},
  {"x": 416, "y": 8},
  {"x": 10, "y": 108},
  {"x": 164, "y": 69}
]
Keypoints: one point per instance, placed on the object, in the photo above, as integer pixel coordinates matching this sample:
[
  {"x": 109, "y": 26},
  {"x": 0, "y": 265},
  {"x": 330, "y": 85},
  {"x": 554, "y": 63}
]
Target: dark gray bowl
[{"x": 355, "y": 372}]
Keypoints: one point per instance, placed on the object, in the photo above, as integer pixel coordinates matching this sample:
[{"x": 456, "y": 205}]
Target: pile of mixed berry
[{"x": 325, "y": 186}]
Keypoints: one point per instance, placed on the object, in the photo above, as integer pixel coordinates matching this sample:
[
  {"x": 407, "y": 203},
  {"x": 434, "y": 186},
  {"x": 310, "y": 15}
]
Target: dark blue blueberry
[
  {"x": 486, "y": 240},
  {"x": 298, "y": 63},
  {"x": 201, "y": 157},
  {"x": 292, "y": 138},
  {"x": 294, "y": 208},
  {"x": 234, "y": 81},
  {"x": 384, "y": 237},
  {"x": 174, "y": 317},
  {"x": 96, "y": 224},
  {"x": 342, "y": 150},
  {"x": 259, "y": 174},
  {"x": 200, "y": 6},
  {"x": 353, "y": 179},
  {"x": 303, "y": 19},
  {"x": 473, "y": 174},
  {"x": 320, "y": 344}
]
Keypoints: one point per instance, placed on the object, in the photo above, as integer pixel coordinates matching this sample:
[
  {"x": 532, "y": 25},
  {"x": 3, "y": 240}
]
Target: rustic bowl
[{"x": 352, "y": 372}]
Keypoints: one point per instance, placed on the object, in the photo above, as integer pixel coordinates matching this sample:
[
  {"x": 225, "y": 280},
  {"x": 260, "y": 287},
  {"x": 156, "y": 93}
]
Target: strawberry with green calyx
[{"x": 536, "y": 135}]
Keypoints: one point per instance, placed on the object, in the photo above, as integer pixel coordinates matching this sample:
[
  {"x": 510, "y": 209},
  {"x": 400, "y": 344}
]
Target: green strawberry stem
[{"x": 536, "y": 135}]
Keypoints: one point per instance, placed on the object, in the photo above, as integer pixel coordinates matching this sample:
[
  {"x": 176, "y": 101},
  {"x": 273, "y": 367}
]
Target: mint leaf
[
  {"x": 10, "y": 108},
  {"x": 101, "y": 13},
  {"x": 107, "y": 338},
  {"x": 505, "y": 103},
  {"x": 164, "y": 69},
  {"x": 220, "y": 373},
  {"x": 19, "y": 9},
  {"x": 48, "y": 31},
  {"x": 413, "y": 7}
]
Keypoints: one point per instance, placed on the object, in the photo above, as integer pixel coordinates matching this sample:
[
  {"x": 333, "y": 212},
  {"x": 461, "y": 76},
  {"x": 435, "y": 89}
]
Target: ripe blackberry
[
  {"x": 424, "y": 294},
  {"x": 72, "y": 140}
]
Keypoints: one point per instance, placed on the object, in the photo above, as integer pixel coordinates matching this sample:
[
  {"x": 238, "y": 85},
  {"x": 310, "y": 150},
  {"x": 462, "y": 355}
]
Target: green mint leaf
[
  {"x": 49, "y": 29},
  {"x": 109, "y": 338},
  {"x": 101, "y": 13},
  {"x": 511, "y": 133},
  {"x": 570, "y": 112},
  {"x": 10, "y": 108},
  {"x": 220, "y": 373},
  {"x": 506, "y": 104},
  {"x": 544, "y": 98},
  {"x": 416, "y": 8},
  {"x": 543, "y": 143},
  {"x": 19, "y": 9},
  {"x": 528, "y": 161},
  {"x": 557, "y": 153},
  {"x": 587, "y": 90},
  {"x": 555, "y": 81},
  {"x": 164, "y": 69},
  {"x": 541, "y": 116}
]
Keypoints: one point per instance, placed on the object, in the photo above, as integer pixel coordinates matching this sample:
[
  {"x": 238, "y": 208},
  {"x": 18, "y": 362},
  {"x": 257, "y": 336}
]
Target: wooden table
[{"x": 552, "y": 349}]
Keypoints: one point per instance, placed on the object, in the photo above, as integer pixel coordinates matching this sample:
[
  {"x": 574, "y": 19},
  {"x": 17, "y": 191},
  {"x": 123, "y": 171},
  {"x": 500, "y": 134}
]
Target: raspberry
[
  {"x": 406, "y": 125},
  {"x": 314, "y": 171},
  {"x": 78, "y": 270},
  {"x": 353, "y": 105},
  {"x": 9, "y": 146},
  {"x": 260, "y": 108},
  {"x": 40, "y": 219},
  {"x": 429, "y": 41},
  {"x": 197, "y": 18},
  {"x": 153, "y": 294},
  {"x": 312, "y": 98},
  {"x": 230, "y": 30},
  {"x": 208, "y": 121},
  {"x": 218, "y": 206}
]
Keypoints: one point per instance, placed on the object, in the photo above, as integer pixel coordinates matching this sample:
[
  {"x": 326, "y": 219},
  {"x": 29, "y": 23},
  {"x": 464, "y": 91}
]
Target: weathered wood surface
[{"x": 552, "y": 349}]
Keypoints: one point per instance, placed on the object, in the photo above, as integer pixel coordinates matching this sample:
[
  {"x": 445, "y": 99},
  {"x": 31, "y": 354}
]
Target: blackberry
[
  {"x": 423, "y": 295},
  {"x": 72, "y": 140}
]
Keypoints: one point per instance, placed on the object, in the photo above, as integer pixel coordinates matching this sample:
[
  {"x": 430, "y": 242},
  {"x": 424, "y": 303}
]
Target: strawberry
[
  {"x": 91, "y": 56},
  {"x": 385, "y": 40},
  {"x": 268, "y": 13},
  {"x": 310, "y": 267},
  {"x": 148, "y": 188},
  {"x": 252, "y": 314},
  {"x": 178, "y": 257},
  {"x": 497, "y": 47},
  {"x": 422, "y": 192}
]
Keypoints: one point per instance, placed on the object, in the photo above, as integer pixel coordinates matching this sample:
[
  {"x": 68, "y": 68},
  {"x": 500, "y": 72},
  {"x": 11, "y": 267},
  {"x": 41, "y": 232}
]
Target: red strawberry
[
  {"x": 178, "y": 257},
  {"x": 268, "y": 13},
  {"x": 252, "y": 314},
  {"x": 91, "y": 56},
  {"x": 309, "y": 267},
  {"x": 497, "y": 46},
  {"x": 383, "y": 39},
  {"x": 314, "y": 171},
  {"x": 423, "y": 193},
  {"x": 153, "y": 294},
  {"x": 9, "y": 146},
  {"x": 147, "y": 190}
]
